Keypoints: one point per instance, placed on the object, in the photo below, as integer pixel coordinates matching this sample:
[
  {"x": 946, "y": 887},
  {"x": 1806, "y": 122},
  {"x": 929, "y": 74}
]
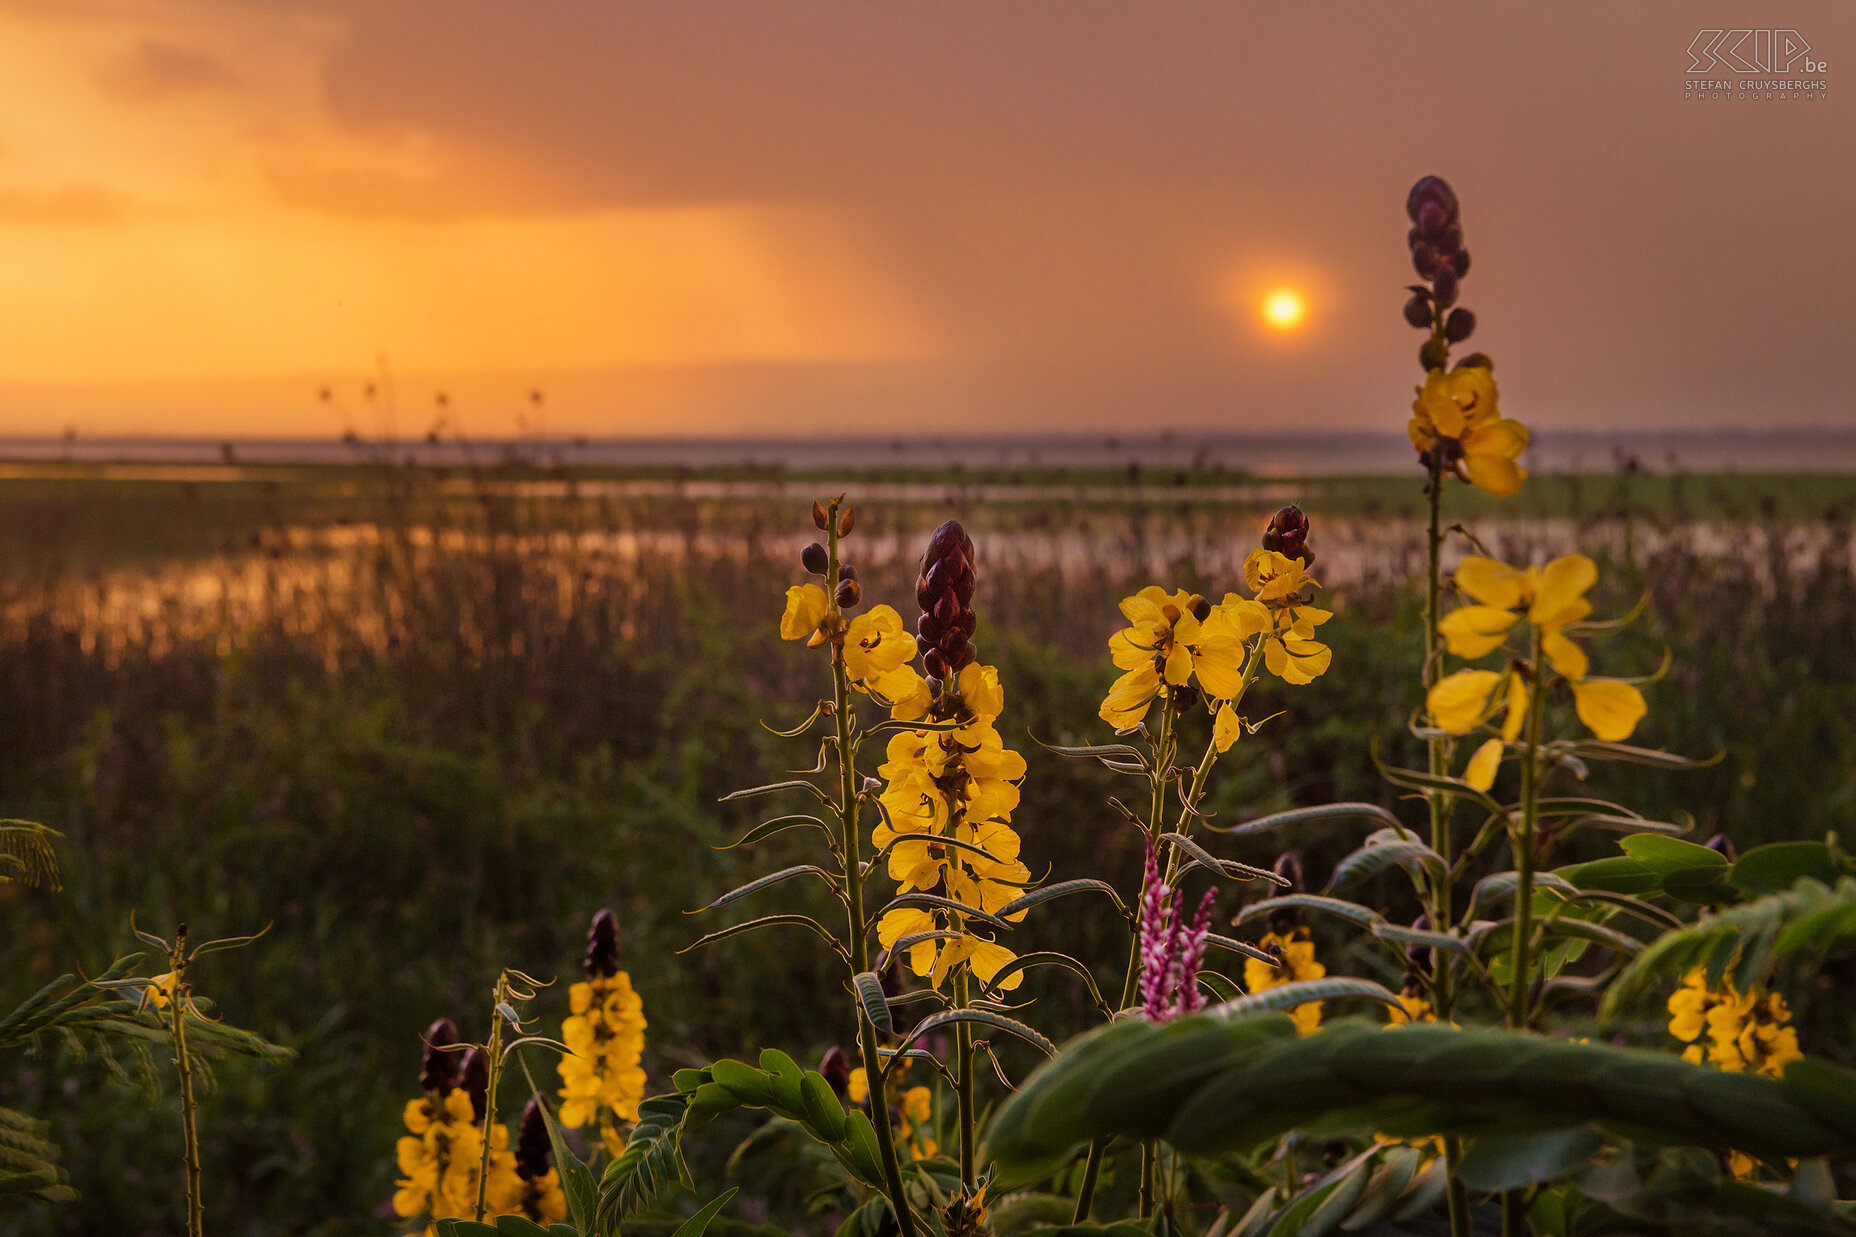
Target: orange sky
[{"x": 767, "y": 217}]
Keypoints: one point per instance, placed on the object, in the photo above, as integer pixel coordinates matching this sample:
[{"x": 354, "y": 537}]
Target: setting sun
[{"x": 1284, "y": 309}]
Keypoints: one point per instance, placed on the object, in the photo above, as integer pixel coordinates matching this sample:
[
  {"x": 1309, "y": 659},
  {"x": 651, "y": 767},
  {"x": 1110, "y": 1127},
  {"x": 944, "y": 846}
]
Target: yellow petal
[
  {"x": 1128, "y": 699},
  {"x": 1501, "y": 439},
  {"x": 1476, "y": 631},
  {"x": 980, "y": 690},
  {"x": 1458, "y": 702},
  {"x": 1491, "y": 582},
  {"x": 806, "y": 608},
  {"x": 1567, "y": 658},
  {"x": 1480, "y": 772},
  {"x": 1517, "y": 708},
  {"x": 1561, "y": 592},
  {"x": 1178, "y": 665},
  {"x": 1226, "y": 730},
  {"x": 1495, "y": 475},
  {"x": 1609, "y": 708}
]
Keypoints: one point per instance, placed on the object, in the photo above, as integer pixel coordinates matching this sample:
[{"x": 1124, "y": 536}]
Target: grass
[{"x": 427, "y": 757}]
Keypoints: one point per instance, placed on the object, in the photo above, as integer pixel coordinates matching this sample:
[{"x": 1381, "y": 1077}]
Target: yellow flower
[
  {"x": 1274, "y": 576},
  {"x": 160, "y": 990},
  {"x": 1550, "y": 598},
  {"x": 1298, "y": 963},
  {"x": 605, "y": 1038},
  {"x": 1412, "y": 1008},
  {"x": 1745, "y": 1031},
  {"x": 1457, "y": 414},
  {"x": 875, "y": 643},
  {"x": 806, "y": 608},
  {"x": 1226, "y": 729},
  {"x": 1281, "y": 584}
]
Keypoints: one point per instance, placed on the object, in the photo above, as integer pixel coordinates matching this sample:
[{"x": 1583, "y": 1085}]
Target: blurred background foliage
[{"x": 429, "y": 722}]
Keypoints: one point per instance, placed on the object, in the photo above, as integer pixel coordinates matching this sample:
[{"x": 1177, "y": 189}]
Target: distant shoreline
[{"x": 1819, "y": 450}]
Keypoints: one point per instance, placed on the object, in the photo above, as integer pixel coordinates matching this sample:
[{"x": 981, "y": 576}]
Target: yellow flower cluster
[
  {"x": 876, "y": 648},
  {"x": 1458, "y": 414},
  {"x": 961, "y": 784},
  {"x": 441, "y": 1156},
  {"x": 602, "y": 1079},
  {"x": 1550, "y": 598},
  {"x": 1745, "y": 1031},
  {"x": 913, "y": 1117},
  {"x": 1297, "y": 951},
  {"x": 1173, "y": 638}
]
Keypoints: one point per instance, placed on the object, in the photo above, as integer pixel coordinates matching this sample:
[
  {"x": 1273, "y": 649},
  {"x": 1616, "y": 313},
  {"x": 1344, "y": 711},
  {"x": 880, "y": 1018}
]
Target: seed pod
[
  {"x": 836, "y": 1068},
  {"x": 849, "y": 594},
  {"x": 815, "y": 559},
  {"x": 1460, "y": 325},
  {"x": 847, "y": 520},
  {"x": 819, "y": 518},
  {"x": 602, "y": 946},
  {"x": 944, "y": 591},
  {"x": 532, "y": 1144},
  {"x": 438, "y": 1069},
  {"x": 1433, "y": 354},
  {"x": 1418, "y": 310},
  {"x": 475, "y": 1079}
]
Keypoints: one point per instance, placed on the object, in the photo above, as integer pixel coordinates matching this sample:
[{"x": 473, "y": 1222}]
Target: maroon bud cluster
[
  {"x": 438, "y": 1069},
  {"x": 836, "y": 1067},
  {"x": 532, "y": 1145},
  {"x": 944, "y": 590},
  {"x": 475, "y": 1079},
  {"x": 1437, "y": 254},
  {"x": 1287, "y": 534},
  {"x": 602, "y": 947}
]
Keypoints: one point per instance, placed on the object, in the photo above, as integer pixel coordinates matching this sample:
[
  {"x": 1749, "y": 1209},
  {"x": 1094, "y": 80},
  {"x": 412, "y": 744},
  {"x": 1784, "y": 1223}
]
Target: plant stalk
[
  {"x": 854, "y": 902},
  {"x": 493, "y": 1052},
  {"x": 183, "y": 1064}
]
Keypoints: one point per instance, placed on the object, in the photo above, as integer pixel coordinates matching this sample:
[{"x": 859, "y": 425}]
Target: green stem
[
  {"x": 493, "y": 1052},
  {"x": 1522, "y": 842},
  {"x": 847, "y": 808},
  {"x": 183, "y": 1063},
  {"x": 963, "y": 1046},
  {"x": 1147, "y": 1179}
]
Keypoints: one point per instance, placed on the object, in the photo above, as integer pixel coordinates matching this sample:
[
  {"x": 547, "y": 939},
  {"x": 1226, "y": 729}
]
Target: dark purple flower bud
[
  {"x": 1287, "y": 534},
  {"x": 1433, "y": 354},
  {"x": 944, "y": 590},
  {"x": 1418, "y": 310},
  {"x": 1476, "y": 360},
  {"x": 836, "y": 1067},
  {"x": 1460, "y": 325},
  {"x": 1722, "y": 843},
  {"x": 1420, "y": 955},
  {"x": 1431, "y": 189},
  {"x": 849, "y": 594},
  {"x": 1184, "y": 697},
  {"x": 1460, "y": 260},
  {"x": 1201, "y": 608},
  {"x": 1432, "y": 220},
  {"x": 475, "y": 1079},
  {"x": 815, "y": 559},
  {"x": 846, "y": 572},
  {"x": 602, "y": 947},
  {"x": 1443, "y": 285},
  {"x": 438, "y": 1069},
  {"x": 532, "y": 1144},
  {"x": 1449, "y": 243},
  {"x": 1424, "y": 260}
]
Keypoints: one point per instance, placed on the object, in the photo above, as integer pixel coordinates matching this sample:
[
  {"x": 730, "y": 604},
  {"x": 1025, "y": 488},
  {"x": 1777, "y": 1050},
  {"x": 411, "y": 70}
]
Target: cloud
[
  {"x": 71, "y": 204},
  {"x": 156, "y": 70}
]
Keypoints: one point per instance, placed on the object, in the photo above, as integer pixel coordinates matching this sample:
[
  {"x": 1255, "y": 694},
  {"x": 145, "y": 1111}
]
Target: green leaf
[
  {"x": 1510, "y": 1161},
  {"x": 767, "y": 828},
  {"x": 1061, "y": 889},
  {"x": 696, "y": 1224},
  {"x": 774, "y": 788},
  {"x": 1024, "y": 962},
  {"x": 1362, "y": 915},
  {"x": 652, "y": 1157},
  {"x": 519, "y": 1226},
  {"x": 981, "y": 1017},
  {"x": 875, "y": 1004},
  {"x": 1304, "y": 991},
  {"x": 1367, "y": 861},
  {"x": 1418, "y": 936},
  {"x": 1780, "y": 865},
  {"x": 1618, "y": 874},
  {"x": 769, "y": 921},
  {"x": 1310, "y": 816},
  {"x": 772, "y": 878},
  {"x": 465, "y": 1228},
  {"x": 1212, "y": 1085},
  {"x": 576, "y": 1179},
  {"x": 1663, "y": 855}
]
